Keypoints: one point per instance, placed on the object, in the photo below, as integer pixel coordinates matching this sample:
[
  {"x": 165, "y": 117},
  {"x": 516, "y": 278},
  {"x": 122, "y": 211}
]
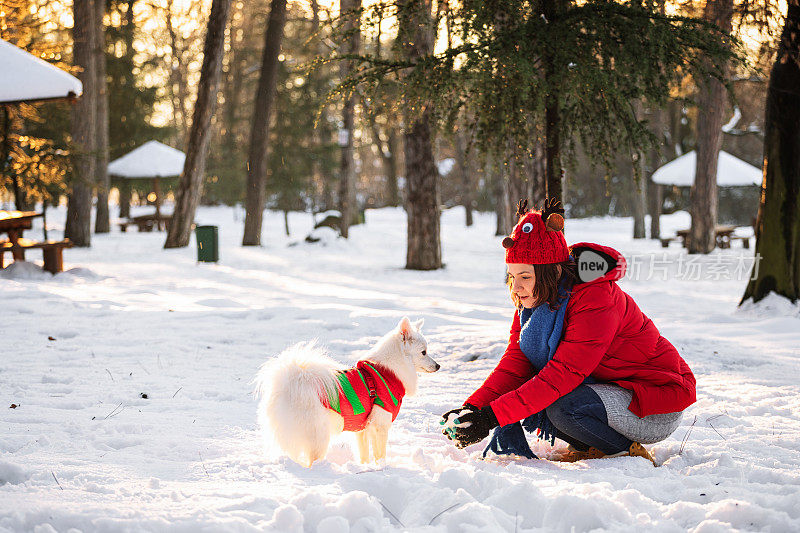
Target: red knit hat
[{"x": 537, "y": 238}]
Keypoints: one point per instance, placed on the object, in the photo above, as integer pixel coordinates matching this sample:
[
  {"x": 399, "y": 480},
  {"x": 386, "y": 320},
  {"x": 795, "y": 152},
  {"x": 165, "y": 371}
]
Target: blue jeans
[{"x": 580, "y": 419}]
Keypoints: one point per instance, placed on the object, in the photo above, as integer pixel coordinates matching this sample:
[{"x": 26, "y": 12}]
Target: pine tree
[
  {"x": 34, "y": 160},
  {"x": 569, "y": 68}
]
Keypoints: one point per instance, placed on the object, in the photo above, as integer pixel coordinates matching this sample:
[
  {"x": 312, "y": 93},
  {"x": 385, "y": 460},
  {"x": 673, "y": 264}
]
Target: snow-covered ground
[{"x": 84, "y": 450}]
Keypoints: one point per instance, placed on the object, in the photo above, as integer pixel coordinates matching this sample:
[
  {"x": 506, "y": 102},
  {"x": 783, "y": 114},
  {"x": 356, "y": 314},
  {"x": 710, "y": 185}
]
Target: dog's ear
[
  {"x": 405, "y": 329},
  {"x": 418, "y": 324}
]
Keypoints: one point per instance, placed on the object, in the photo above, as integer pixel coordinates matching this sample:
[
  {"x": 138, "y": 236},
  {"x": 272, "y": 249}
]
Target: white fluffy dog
[{"x": 306, "y": 397}]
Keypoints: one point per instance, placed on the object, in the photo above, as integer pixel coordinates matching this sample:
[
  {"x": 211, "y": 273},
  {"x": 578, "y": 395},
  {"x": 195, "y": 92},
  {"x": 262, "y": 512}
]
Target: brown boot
[
  {"x": 637, "y": 450},
  {"x": 571, "y": 455}
]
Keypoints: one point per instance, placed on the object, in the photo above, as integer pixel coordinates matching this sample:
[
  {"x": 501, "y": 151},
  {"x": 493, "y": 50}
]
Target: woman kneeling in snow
[{"x": 583, "y": 363}]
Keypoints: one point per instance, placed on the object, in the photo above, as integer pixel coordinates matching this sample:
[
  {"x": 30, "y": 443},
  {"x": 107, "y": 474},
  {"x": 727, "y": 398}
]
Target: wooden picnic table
[
  {"x": 724, "y": 236},
  {"x": 147, "y": 222},
  {"x": 14, "y": 223}
]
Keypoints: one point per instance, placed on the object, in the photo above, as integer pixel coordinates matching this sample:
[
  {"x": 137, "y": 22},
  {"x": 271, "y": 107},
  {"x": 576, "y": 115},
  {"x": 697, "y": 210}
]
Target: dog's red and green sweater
[{"x": 362, "y": 387}]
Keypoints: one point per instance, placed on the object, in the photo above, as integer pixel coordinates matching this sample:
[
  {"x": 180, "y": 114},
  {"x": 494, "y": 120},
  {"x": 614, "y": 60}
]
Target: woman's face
[{"x": 522, "y": 282}]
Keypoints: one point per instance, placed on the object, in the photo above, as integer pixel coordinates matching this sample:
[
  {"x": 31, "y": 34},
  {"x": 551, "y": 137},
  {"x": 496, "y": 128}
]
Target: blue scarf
[{"x": 540, "y": 333}]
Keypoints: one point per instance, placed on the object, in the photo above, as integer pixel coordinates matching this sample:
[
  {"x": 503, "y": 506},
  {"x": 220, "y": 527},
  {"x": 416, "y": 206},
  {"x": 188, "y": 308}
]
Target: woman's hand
[
  {"x": 448, "y": 420},
  {"x": 474, "y": 426},
  {"x": 470, "y": 426}
]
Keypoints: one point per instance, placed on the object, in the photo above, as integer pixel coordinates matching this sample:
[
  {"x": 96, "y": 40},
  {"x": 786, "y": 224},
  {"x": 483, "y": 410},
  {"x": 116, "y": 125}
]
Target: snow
[
  {"x": 446, "y": 166},
  {"x": 731, "y": 124},
  {"x": 731, "y": 171},
  {"x": 84, "y": 451},
  {"x": 27, "y": 77},
  {"x": 150, "y": 160}
]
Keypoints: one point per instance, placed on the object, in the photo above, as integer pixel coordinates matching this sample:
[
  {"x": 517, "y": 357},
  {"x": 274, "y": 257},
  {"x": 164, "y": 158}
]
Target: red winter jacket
[{"x": 605, "y": 336}]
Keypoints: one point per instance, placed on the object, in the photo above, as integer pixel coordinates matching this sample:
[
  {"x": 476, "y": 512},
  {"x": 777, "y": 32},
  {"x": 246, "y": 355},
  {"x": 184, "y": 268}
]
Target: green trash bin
[{"x": 207, "y": 243}]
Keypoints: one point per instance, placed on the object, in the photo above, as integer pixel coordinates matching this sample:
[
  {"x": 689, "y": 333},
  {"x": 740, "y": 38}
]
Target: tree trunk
[
  {"x": 653, "y": 189},
  {"x": 424, "y": 252},
  {"x": 388, "y": 155},
  {"x": 79, "y": 202},
  {"x": 777, "y": 266},
  {"x": 639, "y": 182},
  {"x": 500, "y": 193},
  {"x": 515, "y": 187},
  {"x": 552, "y": 117},
  {"x": 711, "y": 105},
  {"x": 125, "y": 189},
  {"x": 553, "y": 172},
  {"x": 537, "y": 175},
  {"x": 464, "y": 171},
  {"x": 323, "y": 177},
  {"x": 101, "y": 221},
  {"x": 177, "y": 75},
  {"x": 259, "y": 134},
  {"x": 655, "y": 209},
  {"x": 124, "y": 199},
  {"x": 233, "y": 94},
  {"x": 392, "y": 164},
  {"x": 188, "y": 193},
  {"x": 347, "y": 170},
  {"x": 639, "y": 197}
]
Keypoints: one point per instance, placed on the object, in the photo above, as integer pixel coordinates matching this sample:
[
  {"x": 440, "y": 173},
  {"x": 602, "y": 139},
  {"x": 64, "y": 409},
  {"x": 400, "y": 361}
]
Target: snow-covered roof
[
  {"x": 28, "y": 78},
  {"x": 151, "y": 160},
  {"x": 445, "y": 166},
  {"x": 731, "y": 171}
]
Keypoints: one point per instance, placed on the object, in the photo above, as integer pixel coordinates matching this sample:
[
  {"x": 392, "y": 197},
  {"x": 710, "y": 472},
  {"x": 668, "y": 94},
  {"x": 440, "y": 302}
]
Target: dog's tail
[{"x": 292, "y": 388}]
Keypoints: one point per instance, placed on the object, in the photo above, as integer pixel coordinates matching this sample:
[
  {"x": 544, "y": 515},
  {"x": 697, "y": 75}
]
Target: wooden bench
[
  {"x": 666, "y": 240},
  {"x": 142, "y": 225},
  {"x": 745, "y": 240},
  {"x": 52, "y": 252},
  {"x": 146, "y": 222}
]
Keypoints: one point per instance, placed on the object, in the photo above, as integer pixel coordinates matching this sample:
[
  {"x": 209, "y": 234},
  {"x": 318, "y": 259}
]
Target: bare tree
[
  {"x": 711, "y": 106},
  {"x": 188, "y": 193},
  {"x": 259, "y": 134},
  {"x": 347, "y": 171},
  {"x": 180, "y": 99},
  {"x": 79, "y": 204},
  {"x": 777, "y": 268},
  {"x": 101, "y": 221},
  {"x": 234, "y": 81}
]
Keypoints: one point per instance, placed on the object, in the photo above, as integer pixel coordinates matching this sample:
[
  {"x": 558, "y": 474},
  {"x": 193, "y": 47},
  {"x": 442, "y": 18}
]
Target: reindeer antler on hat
[
  {"x": 553, "y": 214},
  {"x": 522, "y": 208},
  {"x": 537, "y": 237}
]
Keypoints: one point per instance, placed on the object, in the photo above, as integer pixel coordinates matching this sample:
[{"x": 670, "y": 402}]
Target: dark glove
[
  {"x": 450, "y": 432},
  {"x": 474, "y": 426}
]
